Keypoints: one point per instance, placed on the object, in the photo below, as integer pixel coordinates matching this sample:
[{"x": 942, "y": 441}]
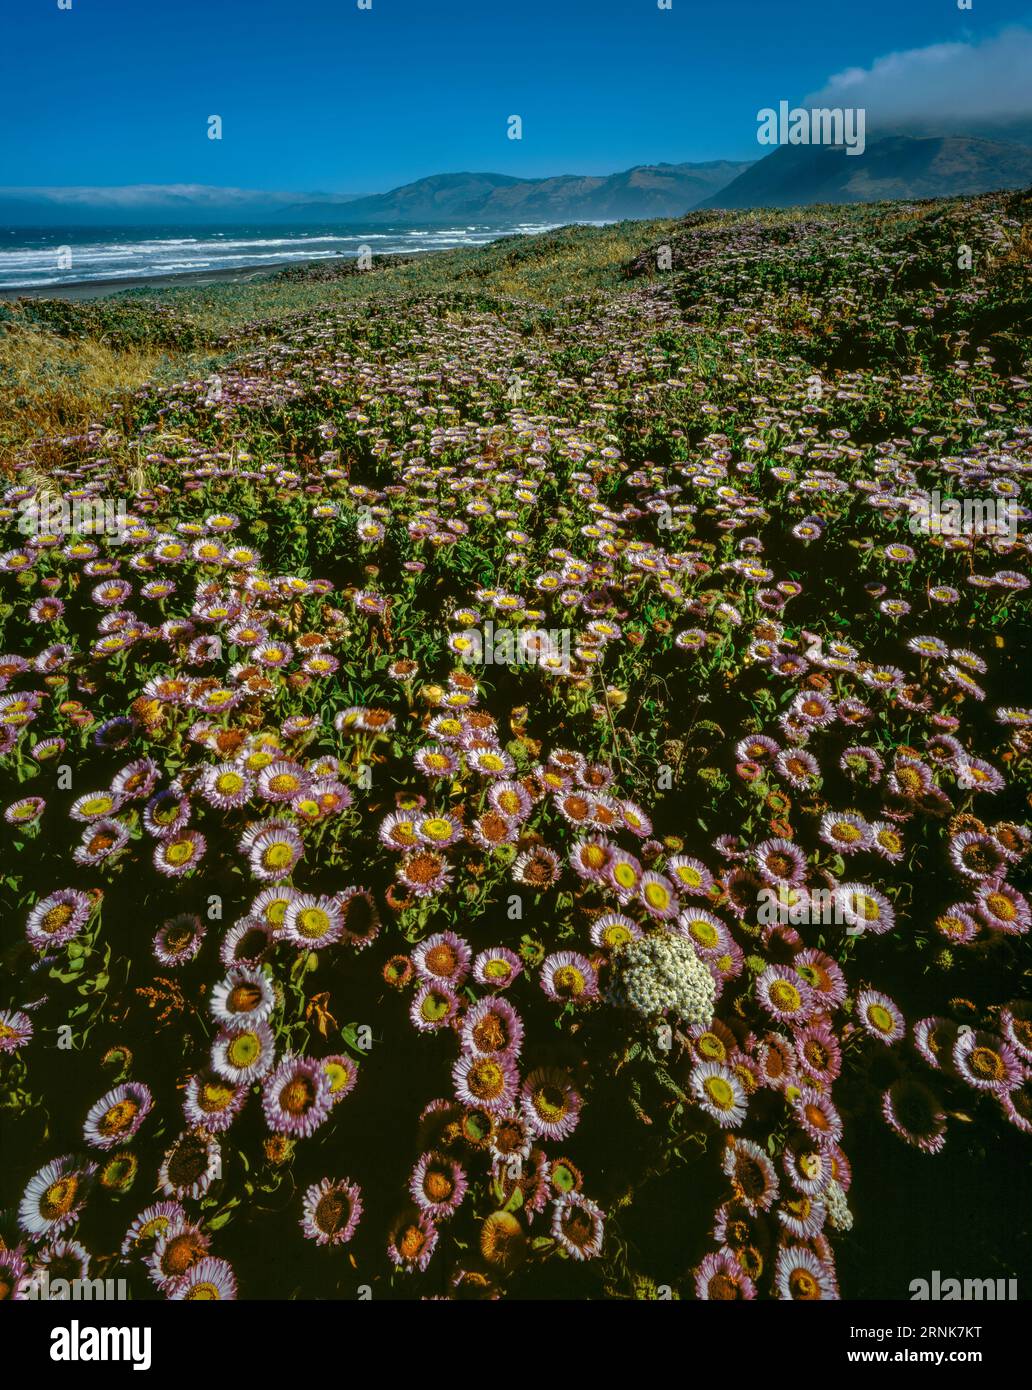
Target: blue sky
[{"x": 318, "y": 95}]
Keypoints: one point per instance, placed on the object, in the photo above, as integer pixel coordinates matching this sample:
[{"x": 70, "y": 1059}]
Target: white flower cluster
[
  {"x": 662, "y": 974},
  {"x": 840, "y": 1218}
]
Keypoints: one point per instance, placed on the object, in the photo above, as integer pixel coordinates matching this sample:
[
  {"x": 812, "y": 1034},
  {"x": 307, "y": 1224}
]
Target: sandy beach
[{"x": 102, "y": 289}]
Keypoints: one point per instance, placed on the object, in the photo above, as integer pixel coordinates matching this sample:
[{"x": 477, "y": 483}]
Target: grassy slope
[
  {"x": 760, "y": 294},
  {"x": 61, "y": 363}
]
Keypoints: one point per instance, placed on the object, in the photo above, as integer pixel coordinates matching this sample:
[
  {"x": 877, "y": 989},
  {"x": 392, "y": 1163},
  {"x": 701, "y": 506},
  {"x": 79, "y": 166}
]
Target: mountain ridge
[
  {"x": 645, "y": 190},
  {"x": 892, "y": 167}
]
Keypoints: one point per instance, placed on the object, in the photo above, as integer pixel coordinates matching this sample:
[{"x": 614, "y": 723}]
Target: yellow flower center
[
  {"x": 720, "y": 1092},
  {"x": 59, "y": 1197},
  {"x": 803, "y": 1285},
  {"x": 243, "y": 1050},
  {"x": 215, "y": 1096},
  {"x": 785, "y": 996},
  {"x": 313, "y": 922},
  {"x": 711, "y": 1047},
  {"x": 486, "y": 1080},
  {"x": 278, "y": 856},
  {"x": 656, "y": 895},
  {"x": 985, "y": 1062},
  {"x": 705, "y": 933},
  {"x": 1000, "y": 906},
  {"x": 880, "y": 1018},
  {"x": 550, "y": 1102},
  {"x": 119, "y": 1117},
  {"x": 58, "y": 917},
  {"x": 568, "y": 981}
]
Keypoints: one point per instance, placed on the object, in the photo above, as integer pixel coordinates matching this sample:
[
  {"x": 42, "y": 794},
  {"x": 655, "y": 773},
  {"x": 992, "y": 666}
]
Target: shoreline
[{"x": 189, "y": 279}]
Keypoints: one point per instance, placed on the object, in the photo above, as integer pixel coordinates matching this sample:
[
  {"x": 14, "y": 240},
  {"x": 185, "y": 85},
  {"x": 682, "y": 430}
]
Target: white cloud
[
  {"x": 947, "y": 84},
  {"x": 154, "y": 195}
]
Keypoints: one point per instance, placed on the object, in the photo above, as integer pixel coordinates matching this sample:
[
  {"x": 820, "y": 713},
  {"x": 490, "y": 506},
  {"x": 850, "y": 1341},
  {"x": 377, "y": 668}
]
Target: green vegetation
[{"x": 686, "y": 955}]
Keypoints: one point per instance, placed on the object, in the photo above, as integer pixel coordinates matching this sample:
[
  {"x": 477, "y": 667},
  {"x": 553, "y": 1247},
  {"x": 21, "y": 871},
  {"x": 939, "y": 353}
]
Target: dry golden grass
[
  {"x": 1020, "y": 248},
  {"x": 51, "y": 385}
]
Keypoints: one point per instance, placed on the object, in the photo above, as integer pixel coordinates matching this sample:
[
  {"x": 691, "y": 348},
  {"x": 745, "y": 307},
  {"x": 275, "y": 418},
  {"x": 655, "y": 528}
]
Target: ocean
[{"x": 33, "y": 257}]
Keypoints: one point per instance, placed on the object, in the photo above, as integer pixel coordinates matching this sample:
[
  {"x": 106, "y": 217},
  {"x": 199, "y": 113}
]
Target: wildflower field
[{"x": 517, "y": 805}]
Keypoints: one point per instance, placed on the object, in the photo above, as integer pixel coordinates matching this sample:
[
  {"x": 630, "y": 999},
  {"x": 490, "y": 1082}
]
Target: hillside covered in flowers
[{"x": 519, "y": 805}]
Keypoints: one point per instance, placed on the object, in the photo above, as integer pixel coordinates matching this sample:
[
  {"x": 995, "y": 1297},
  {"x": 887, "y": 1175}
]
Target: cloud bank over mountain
[
  {"x": 945, "y": 87},
  {"x": 149, "y": 201}
]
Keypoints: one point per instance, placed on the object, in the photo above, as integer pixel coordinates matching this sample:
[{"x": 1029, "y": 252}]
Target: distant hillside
[
  {"x": 892, "y": 167},
  {"x": 896, "y": 166},
  {"x": 649, "y": 190}
]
